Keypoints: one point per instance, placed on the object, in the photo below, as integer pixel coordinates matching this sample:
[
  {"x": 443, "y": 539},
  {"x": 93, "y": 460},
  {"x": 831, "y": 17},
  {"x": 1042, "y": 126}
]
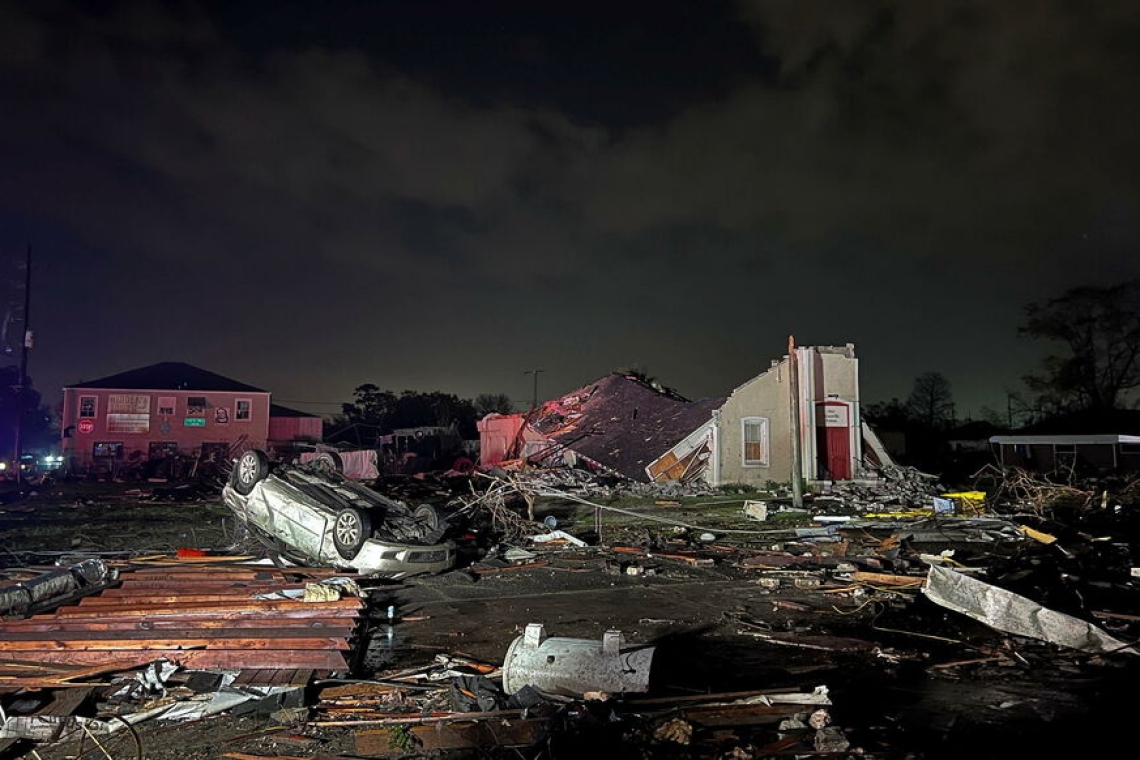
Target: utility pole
[
  {"x": 26, "y": 344},
  {"x": 534, "y": 403},
  {"x": 794, "y": 372}
]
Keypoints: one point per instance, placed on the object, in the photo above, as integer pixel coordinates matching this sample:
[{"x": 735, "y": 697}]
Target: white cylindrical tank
[{"x": 572, "y": 667}]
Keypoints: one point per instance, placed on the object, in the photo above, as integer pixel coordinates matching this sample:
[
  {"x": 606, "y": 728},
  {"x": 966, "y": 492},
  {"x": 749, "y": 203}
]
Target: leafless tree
[
  {"x": 1099, "y": 328},
  {"x": 931, "y": 403}
]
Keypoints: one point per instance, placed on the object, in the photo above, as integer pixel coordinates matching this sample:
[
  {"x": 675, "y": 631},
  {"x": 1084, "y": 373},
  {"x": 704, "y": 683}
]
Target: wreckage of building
[
  {"x": 624, "y": 425},
  {"x": 617, "y": 424}
]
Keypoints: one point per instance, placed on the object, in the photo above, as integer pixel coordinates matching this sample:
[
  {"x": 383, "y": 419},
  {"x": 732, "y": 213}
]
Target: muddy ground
[{"x": 888, "y": 665}]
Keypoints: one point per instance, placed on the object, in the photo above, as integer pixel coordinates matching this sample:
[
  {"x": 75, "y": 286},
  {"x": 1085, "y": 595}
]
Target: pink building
[{"x": 157, "y": 411}]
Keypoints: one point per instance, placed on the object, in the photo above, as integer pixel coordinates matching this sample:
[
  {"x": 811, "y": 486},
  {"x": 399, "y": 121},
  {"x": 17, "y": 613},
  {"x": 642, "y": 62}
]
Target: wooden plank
[
  {"x": 261, "y": 677},
  {"x": 140, "y": 588},
  {"x": 886, "y": 579},
  {"x": 282, "y": 634},
  {"x": 174, "y": 576},
  {"x": 281, "y": 677},
  {"x": 712, "y": 716},
  {"x": 526, "y": 566},
  {"x": 687, "y": 557},
  {"x": 296, "y": 613},
  {"x": 518, "y": 732},
  {"x": 235, "y": 659},
  {"x": 63, "y": 673},
  {"x": 139, "y": 610},
  {"x": 151, "y": 599},
  {"x": 151, "y": 644},
  {"x": 332, "y": 626}
]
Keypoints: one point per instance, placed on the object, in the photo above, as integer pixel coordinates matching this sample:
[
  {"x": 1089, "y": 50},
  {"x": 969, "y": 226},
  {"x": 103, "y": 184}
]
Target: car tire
[
  {"x": 250, "y": 468},
  {"x": 351, "y": 528},
  {"x": 328, "y": 461},
  {"x": 432, "y": 524}
]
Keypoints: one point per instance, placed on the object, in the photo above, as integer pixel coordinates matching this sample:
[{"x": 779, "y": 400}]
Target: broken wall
[{"x": 827, "y": 374}]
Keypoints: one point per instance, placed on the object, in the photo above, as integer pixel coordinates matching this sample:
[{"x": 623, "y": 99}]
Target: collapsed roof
[{"x": 620, "y": 422}]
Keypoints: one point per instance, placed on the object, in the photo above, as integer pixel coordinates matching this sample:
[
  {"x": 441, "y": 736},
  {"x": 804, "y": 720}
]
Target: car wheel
[
  {"x": 328, "y": 461},
  {"x": 351, "y": 528},
  {"x": 251, "y": 467},
  {"x": 432, "y": 524}
]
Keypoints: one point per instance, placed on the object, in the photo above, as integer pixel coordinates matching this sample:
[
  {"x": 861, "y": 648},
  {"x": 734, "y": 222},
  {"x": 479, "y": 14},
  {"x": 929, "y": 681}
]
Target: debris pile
[
  {"x": 896, "y": 486},
  {"x": 205, "y": 615}
]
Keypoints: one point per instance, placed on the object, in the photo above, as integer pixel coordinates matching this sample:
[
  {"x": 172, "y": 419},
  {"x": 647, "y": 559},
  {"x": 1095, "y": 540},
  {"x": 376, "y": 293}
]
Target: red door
[{"x": 833, "y": 439}]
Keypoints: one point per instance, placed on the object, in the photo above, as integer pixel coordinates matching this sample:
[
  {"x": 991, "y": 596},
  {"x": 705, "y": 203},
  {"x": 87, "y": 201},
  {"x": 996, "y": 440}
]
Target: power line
[
  {"x": 534, "y": 372},
  {"x": 299, "y": 401}
]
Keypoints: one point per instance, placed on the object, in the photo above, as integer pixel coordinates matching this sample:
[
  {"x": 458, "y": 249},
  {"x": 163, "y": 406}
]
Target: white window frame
[
  {"x": 94, "y": 408},
  {"x": 167, "y": 406},
  {"x": 765, "y": 441},
  {"x": 248, "y": 410}
]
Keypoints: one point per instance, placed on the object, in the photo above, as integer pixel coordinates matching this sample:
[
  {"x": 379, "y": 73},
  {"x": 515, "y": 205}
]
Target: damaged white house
[{"x": 622, "y": 425}]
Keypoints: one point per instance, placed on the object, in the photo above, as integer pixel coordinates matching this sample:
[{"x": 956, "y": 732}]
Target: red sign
[{"x": 86, "y": 426}]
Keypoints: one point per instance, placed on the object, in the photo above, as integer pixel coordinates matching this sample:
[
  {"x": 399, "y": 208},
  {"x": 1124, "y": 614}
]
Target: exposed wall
[
  {"x": 826, "y": 374},
  {"x": 768, "y": 397}
]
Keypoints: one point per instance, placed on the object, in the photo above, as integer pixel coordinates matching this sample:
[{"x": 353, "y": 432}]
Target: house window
[
  {"x": 163, "y": 449},
  {"x": 88, "y": 405},
  {"x": 195, "y": 412},
  {"x": 166, "y": 406},
  {"x": 755, "y": 436},
  {"x": 243, "y": 408},
  {"x": 107, "y": 450}
]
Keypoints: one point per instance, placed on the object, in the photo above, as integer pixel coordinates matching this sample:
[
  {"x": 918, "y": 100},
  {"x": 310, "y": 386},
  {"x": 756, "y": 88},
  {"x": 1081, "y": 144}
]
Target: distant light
[{"x": 3, "y": 465}]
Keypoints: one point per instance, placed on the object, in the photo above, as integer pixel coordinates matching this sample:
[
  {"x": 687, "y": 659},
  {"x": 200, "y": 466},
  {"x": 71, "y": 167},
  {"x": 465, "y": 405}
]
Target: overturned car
[{"x": 311, "y": 513}]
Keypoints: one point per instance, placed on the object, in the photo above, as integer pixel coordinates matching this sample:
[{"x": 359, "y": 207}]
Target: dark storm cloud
[
  {"x": 894, "y": 174},
  {"x": 313, "y": 141},
  {"x": 902, "y": 122}
]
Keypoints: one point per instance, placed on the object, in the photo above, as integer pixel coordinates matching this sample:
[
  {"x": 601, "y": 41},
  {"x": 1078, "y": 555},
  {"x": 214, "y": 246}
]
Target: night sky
[{"x": 442, "y": 195}]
